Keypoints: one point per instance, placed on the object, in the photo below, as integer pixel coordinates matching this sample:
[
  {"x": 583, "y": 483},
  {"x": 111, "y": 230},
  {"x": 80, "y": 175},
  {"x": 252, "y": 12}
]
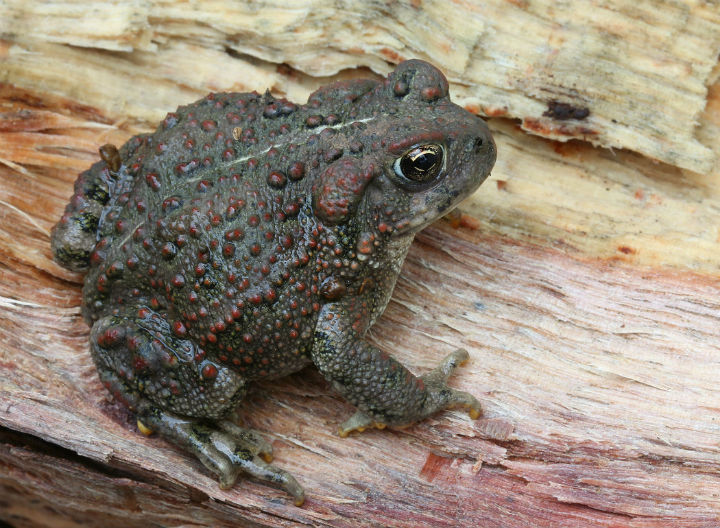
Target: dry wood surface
[{"x": 583, "y": 280}]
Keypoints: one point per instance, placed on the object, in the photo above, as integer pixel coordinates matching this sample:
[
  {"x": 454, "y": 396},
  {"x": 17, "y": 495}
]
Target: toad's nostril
[{"x": 478, "y": 144}]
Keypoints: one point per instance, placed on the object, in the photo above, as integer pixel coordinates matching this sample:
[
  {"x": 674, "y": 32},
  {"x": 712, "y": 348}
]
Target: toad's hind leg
[
  {"x": 226, "y": 449},
  {"x": 183, "y": 397}
]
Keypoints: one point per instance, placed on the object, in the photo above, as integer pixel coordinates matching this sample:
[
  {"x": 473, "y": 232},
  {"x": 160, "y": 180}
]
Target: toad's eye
[{"x": 420, "y": 164}]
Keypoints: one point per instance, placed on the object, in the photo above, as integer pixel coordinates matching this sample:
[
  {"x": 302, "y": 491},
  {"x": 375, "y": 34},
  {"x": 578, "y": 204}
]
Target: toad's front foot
[
  {"x": 227, "y": 450},
  {"x": 438, "y": 396}
]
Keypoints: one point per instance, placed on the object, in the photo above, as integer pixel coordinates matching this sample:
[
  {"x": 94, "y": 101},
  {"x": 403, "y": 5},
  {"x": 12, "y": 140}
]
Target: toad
[{"x": 250, "y": 236}]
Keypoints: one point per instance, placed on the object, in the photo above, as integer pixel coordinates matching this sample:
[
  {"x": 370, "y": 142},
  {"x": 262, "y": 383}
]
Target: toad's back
[{"x": 208, "y": 222}]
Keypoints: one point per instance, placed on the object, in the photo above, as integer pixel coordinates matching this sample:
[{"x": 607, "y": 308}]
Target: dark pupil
[{"x": 422, "y": 163}]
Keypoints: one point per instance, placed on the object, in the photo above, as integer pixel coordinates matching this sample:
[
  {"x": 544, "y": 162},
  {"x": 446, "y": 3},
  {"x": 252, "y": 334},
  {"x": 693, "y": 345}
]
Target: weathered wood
[
  {"x": 639, "y": 69},
  {"x": 583, "y": 282}
]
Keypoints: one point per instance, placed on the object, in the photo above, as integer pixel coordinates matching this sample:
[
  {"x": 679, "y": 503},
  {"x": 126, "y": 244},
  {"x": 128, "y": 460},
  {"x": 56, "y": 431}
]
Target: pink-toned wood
[{"x": 599, "y": 379}]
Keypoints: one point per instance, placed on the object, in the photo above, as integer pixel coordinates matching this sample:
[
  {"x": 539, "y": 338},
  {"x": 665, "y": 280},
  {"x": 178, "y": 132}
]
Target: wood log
[
  {"x": 634, "y": 72},
  {"x": 583, "y": 281}
]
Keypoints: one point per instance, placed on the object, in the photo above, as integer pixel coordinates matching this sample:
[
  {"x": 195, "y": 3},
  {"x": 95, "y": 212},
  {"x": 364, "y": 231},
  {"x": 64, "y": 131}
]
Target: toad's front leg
[{"x": 384, "y": 391}]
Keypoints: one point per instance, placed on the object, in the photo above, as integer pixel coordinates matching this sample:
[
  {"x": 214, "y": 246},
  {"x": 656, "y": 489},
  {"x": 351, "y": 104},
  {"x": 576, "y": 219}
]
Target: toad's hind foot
[{"x": 227, "y": 450}]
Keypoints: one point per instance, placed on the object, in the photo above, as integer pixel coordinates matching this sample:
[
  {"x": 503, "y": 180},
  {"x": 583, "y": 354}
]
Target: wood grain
[
  {"x": 637, "y": 70},
  {"x": 584, "y": 283}
]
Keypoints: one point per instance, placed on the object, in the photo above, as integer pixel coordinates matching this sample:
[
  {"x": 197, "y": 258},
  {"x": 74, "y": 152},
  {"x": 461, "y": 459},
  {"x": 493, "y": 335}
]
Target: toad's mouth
[{"x": 431, "y": 210}]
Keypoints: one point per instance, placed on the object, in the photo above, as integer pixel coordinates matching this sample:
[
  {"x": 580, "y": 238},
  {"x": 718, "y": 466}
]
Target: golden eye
[{"x": 420, "y": 164}]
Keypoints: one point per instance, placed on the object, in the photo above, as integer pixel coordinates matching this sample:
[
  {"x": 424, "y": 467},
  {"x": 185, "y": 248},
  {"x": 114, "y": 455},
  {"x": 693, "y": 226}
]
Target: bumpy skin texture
[{"x": 249, "y": 236}]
